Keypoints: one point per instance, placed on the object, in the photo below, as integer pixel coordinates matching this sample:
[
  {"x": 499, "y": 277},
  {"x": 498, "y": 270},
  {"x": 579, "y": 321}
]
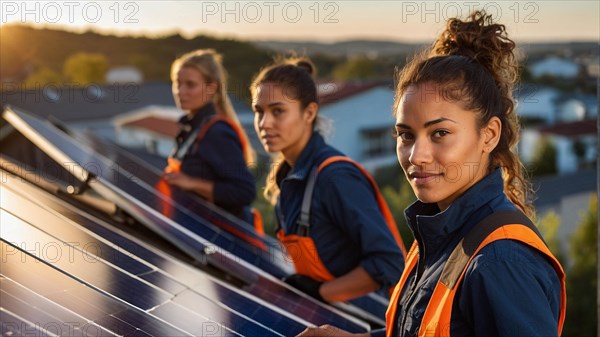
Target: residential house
[
  {"x": 566, "y": 137},
  {"x": 536, "y": 103},
  {"x": 568, "y": 195},
  {"x": 555, "y": 67},
  {"x": 360, "y": 116},
  {"x": 124, "y": 75}
]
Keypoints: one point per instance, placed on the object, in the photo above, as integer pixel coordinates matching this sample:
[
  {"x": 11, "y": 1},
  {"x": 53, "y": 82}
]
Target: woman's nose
[{"x": 420, "y": 152}]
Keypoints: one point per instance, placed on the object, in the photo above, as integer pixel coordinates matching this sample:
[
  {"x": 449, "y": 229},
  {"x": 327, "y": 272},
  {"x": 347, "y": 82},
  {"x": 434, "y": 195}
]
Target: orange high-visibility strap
[
  {"x": 174, "y": 164},
  {"x": 234, "y": 126},
  {"x": 437, "y": 316},
  {"x": 410, "y": 262},
  {"x": 436, "y": 320},
  {"x": 383, "y": 207},
  {"x": 257, "y": 221}
]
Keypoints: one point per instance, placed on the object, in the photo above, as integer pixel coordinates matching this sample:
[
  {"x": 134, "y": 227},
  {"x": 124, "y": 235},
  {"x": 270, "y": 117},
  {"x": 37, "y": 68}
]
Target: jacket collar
[
  {"x": 433, "y": 226},
  {"x": 189, "y": 123},
  {"x": 305, "y": 162}
]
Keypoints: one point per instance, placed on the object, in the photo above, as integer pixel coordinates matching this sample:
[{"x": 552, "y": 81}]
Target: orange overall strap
[
  {"x": 383, "y": 207},
  {"x": 303, "y": 253},
  {"x": 436, "y": 320},
  {"x": 234, "y": 126},
  {"x": 409, "y": 266}
]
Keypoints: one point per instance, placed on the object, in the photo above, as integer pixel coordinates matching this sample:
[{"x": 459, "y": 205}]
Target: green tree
[
  {"x": 398, "y": 199},
  {"x": 84, "y": 68},
  {"x": 582, "y": 277},
  {"x": 355, "y": 68},
  {"x": 544, "y": 159},
  {"x": 548, "y": 226},
  {"x": 42, "y": 77}
]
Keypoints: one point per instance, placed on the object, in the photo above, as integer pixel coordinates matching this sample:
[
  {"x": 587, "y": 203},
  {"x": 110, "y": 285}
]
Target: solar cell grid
[
  {"x": 158, "y": 277},
  {"x": 105, "y": 251}
]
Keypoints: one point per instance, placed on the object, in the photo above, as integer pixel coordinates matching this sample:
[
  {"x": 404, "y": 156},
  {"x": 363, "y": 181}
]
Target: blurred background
[{"x": 103, "y": 66}]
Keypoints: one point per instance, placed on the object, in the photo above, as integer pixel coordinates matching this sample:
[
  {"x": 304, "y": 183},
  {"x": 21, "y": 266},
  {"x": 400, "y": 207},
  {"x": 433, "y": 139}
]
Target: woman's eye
[
  {"x": 440, "y": 133},
  {"x": 403, "y": 135}
]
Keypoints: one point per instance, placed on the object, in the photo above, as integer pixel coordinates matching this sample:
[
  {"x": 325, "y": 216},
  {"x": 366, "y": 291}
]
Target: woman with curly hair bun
[{"x": 478, "y": 267}]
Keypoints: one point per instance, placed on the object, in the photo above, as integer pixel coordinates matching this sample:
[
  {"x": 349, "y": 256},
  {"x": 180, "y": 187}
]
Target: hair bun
[{"x": 306, "y": 65}]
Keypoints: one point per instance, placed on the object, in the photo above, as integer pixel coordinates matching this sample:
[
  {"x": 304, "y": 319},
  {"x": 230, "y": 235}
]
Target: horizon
[
  {"x": 298, "y": 39},
  {"x": 407, "y": 22}
]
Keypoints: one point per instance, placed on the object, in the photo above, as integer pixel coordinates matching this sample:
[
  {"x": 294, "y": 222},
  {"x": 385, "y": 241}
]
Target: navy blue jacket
[
  {"x": 219, "y": 158},
  {"x": 346, "y": 224},
  {"x": 509, "y": 289}
]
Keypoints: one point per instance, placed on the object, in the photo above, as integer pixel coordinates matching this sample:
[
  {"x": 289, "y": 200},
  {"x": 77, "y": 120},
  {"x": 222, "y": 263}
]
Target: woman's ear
[
  {"x": 491, "y": 134},
  {"x": 211, "y": 88},
  {"x": 310, "y": 112}
]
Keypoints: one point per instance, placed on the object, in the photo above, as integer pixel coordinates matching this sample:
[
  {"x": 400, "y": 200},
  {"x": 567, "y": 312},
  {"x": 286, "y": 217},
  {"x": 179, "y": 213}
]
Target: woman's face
[
  {"x": 191, "y": 90},
  {"x": 280, "y": 122},
  {"x": 439, "y": 146}
]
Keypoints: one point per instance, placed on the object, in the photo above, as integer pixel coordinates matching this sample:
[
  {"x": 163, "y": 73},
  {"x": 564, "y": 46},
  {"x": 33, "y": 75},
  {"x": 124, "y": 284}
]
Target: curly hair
[{"x": 473, "y": 63}]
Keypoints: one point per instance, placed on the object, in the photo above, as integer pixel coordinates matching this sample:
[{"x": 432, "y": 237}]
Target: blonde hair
[{"x": 209, "y": 63}]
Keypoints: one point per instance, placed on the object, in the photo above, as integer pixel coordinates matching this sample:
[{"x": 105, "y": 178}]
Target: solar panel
[
  {"x": 98, "y": 262},
  {"x": 372, "y": 306},
  {"x": 236, "y": 249}
]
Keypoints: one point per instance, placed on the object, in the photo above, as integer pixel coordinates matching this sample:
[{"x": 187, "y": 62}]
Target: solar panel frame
[
  {"x": 225, "y": 253},
  {"x": 70, "y": 213}
]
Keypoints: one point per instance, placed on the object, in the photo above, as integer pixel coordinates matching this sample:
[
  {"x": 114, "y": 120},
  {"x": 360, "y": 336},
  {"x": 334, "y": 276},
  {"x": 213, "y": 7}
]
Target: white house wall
[
  {"x": 367, "y": 110},
  {"x": 537, "y": 102}
]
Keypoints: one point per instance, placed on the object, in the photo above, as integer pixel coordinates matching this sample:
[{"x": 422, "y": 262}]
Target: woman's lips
[{"x": 422, "y": 178}]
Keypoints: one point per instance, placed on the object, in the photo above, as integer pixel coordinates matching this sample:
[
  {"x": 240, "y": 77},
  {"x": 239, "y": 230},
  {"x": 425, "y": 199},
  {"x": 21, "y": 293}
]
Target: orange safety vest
[
  {"x": 501, "y": 225},
  {"x": 174, "y": 162},
  {"x": 301, "y": 248}
]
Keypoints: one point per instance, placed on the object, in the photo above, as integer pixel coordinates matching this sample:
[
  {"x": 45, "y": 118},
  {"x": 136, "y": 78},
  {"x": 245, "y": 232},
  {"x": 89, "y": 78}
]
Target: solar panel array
[{"x": 70, "y": 269}]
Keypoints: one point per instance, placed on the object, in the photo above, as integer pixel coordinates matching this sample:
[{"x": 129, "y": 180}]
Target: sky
[{"x": 324, "y": 21}]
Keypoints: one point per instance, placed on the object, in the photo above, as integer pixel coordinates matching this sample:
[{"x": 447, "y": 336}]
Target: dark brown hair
[
  {"x": 473, "y": 63},
  {"x": 295, "y": 76}
]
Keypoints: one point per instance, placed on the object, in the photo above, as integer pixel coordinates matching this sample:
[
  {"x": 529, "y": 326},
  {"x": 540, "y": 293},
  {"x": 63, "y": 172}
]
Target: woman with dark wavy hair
[{"x": 478, "y": 266}]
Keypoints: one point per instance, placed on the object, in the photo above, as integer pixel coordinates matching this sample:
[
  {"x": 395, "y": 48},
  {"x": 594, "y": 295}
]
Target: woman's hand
[
  {"x": 202, "y": 187},
  {"x": 329, "y": 331},
  {"x": 178, "y": 179}
]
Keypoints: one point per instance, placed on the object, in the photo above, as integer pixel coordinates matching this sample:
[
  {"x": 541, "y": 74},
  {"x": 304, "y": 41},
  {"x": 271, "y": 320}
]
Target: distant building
[
  {"x": 565, "y": 137},
  {"x": 124, "y": 75},
  {"x": 361, "y": 121},
  {"x": 152, "y": 128},
  {"x": 536, "y": 104},
  {"x": 569, "y": 196},
  {"x": 556, "y": 67},
  {"x": 99, "y": 109},
  {"x": 89, "y": 107}
]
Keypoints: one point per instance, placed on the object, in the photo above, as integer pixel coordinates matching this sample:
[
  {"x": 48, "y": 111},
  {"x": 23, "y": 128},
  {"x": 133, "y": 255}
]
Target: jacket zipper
[{"x": 413, "y": 287}]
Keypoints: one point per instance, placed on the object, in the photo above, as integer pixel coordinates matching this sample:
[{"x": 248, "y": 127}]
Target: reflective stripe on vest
[
  {"x": 301, "y": 248},
  {"x": 498, "y": 226}
]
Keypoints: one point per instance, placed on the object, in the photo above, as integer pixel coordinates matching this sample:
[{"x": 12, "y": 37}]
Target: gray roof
[
  {"x": 550, "y": 189},
  {"x": 93, "y": 102}
]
